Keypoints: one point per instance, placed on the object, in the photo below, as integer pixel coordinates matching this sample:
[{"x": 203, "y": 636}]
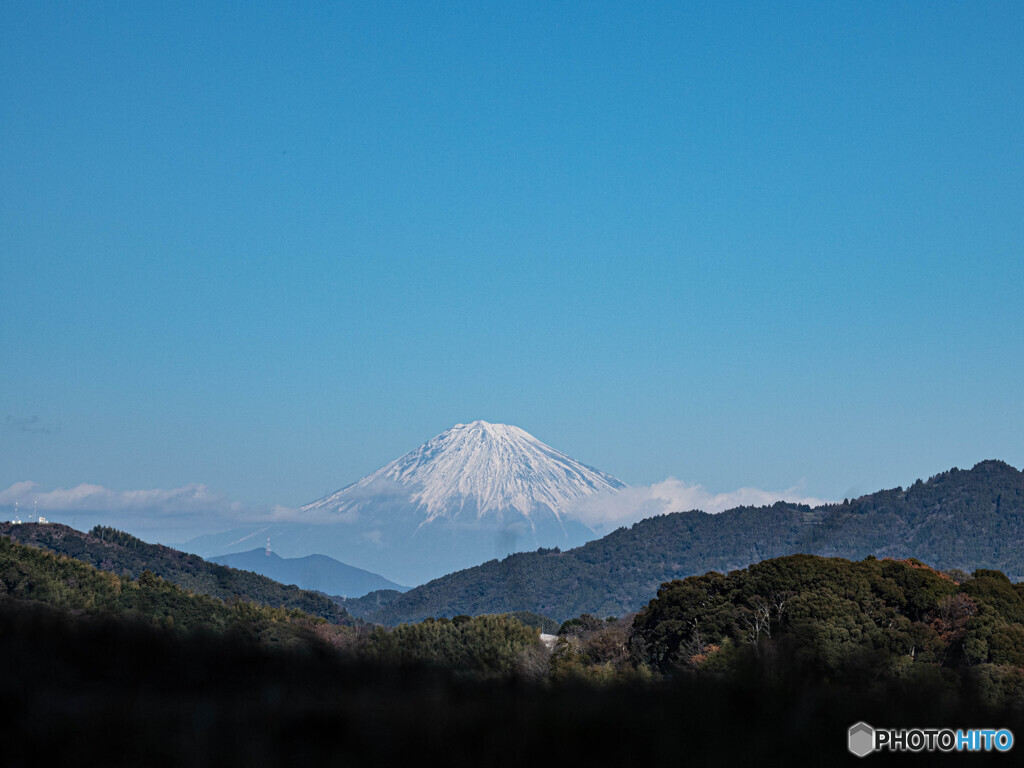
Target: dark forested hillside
[
  {"x": 830, "y": 618},
  {"x": 123, "y": 554},
  {"x": 958, "y": 519},
  {"x": 756, "y": 667},
  {"x": 30, "y": 576}
]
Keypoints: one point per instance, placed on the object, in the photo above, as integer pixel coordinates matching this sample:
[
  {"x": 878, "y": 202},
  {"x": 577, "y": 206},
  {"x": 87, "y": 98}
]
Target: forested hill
[
  {"x": 963, "y": 519},
  {"x": 123, "y": 554}
]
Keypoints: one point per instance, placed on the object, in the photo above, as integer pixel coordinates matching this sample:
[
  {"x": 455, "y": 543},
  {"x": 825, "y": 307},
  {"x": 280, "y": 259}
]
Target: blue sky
[{"x": 268, "y": 248}]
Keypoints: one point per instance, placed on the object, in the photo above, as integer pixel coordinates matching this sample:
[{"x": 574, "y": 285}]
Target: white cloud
[
  {"x": 609, "y": 510},
  {"x": 156, "y": 514},
  {"x": 179, "y": 513},
  {"x": 281, "y": 514},
  {"x": 373, "y": 537},
  {"x": 17, "y": 492},
  {"x": 194, "y": 498},
  {"x": 317, "y": 516}
]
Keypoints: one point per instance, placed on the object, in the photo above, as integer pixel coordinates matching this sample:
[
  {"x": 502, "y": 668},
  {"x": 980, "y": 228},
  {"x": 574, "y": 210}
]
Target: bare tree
[{"x": 758, "y": 621}]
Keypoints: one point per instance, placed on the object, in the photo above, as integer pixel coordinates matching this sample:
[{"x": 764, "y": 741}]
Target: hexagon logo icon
[{"x": 861, "y": 739}]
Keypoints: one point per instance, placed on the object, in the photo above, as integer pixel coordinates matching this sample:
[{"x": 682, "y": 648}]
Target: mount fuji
[{"x": 475, "y": 492}]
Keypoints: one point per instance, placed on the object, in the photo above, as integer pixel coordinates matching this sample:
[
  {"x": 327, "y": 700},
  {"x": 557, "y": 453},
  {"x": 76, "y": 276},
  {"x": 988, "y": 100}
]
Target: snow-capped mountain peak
[
  {"x": 493, "y": 467},
  {"x": 474, "y": 492}
]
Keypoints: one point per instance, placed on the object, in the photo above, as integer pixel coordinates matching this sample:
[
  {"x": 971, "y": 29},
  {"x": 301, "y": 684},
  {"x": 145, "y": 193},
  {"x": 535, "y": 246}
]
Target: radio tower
[{"x": 268, "y": 546}]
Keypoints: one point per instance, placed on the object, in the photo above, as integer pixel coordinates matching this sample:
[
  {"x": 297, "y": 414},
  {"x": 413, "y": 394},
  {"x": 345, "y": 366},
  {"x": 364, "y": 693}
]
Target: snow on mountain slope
[
  {"x": 475, "y": 492},
  {"x": 488, "y": 468}
]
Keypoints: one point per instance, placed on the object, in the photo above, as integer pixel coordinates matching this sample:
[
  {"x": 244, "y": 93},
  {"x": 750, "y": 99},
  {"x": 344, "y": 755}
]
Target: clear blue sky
[{"x": 271, "y": 247}]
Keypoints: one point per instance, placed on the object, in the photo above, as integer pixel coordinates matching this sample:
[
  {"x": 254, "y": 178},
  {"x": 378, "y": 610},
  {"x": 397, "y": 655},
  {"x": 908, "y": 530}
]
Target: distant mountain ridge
[
  {"x": 475, "y": 491},
  {"x": 957, "y": 519},
  {"x": 314, "y": 572}
]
